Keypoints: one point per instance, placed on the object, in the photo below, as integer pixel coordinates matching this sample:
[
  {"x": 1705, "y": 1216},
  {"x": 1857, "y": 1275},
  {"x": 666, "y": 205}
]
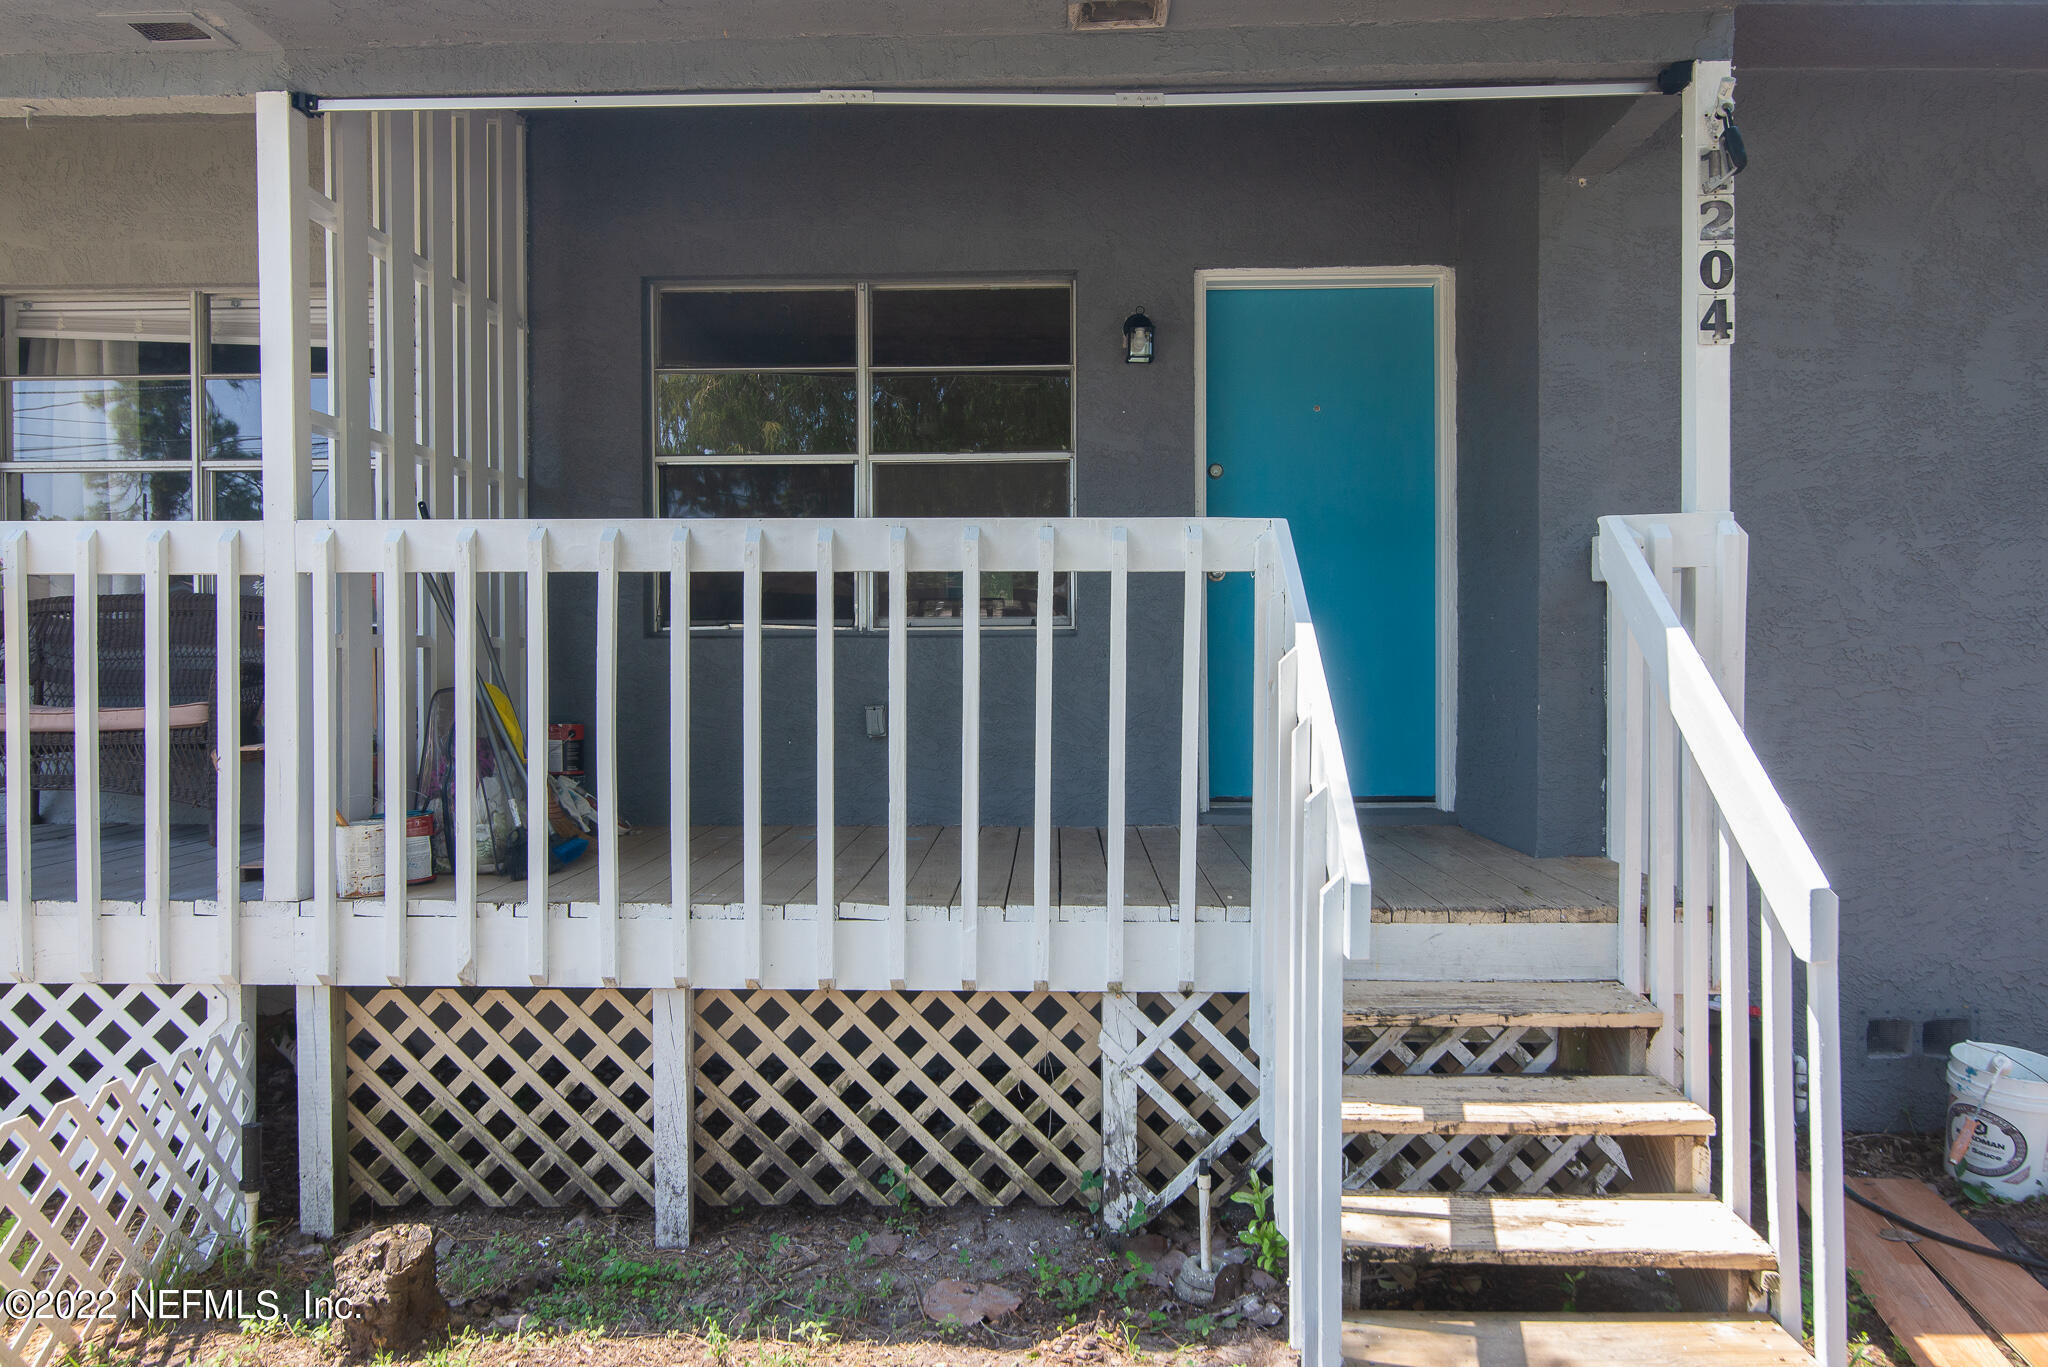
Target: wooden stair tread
[
  {"x": 1556, "y": 1005},
  {"x": 1562, "y": 1231},
  {"x": 1540, "y": 1103},
  {"x": 1506, "y": 1339}
]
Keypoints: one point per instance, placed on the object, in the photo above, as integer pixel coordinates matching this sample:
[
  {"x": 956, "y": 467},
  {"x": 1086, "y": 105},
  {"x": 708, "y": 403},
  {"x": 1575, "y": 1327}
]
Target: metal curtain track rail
[{"x": 998, "y": 99}]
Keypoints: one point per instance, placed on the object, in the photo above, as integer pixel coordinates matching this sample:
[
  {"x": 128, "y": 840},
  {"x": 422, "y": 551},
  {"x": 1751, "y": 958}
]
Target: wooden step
[
  {"x": 1506, "y": 1339},
  {"x": 1541, "y": 1103},
  {"x": 1558, "y": 1006},
  {"x": 1554, "y": 1231}
]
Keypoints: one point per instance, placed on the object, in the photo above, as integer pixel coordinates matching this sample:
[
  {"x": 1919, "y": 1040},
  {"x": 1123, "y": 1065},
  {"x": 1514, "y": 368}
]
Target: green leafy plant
[
  {"x": 1571, "y": 1290},
  {"x": 1091, "y": 1191},
  {"x": 1262, "y": 1235},
  {"x": 895, "y": 1188},
  {"x": 1135, "y": 1221}
]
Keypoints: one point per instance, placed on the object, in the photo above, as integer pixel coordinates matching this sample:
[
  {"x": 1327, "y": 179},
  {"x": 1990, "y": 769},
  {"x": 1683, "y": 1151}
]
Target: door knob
[{"x": 1215, "y": 471}]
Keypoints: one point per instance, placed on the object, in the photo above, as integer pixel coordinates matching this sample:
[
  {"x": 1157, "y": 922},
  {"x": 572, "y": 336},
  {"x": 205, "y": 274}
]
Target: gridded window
[
  {"x": 865, "y": 400},
  {"x": 148, "y": 409}
]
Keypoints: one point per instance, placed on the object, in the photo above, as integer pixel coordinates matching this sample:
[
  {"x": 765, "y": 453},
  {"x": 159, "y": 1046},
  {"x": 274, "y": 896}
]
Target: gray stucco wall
[
  {"x": 109, "y": 203},
  {"x": 1891, "y": 383},
  {"x": 1132, "y": 207}
]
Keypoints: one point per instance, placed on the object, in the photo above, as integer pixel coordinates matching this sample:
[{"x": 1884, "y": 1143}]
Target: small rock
[
  {"x": 920, "y": 1253},
  {"x": 1162, "y": 1272},
  {"x": 1230, "y": 1256},
  {"x": 1258, "y": 1312},
  {"x": 968, "y": 1303},
  {"x": 1230, "y": 1283},
  {"x": 511, "y": 1324},
  {"x": 1263, "y": 1281},
  {"x": 309, "y": 1250},
  {"x": 884, "y": 1245},
  {"x": 387, "y": 1276},
  {"x": 444, "y": 1246},
  {"x": 581, "y": 1222}
]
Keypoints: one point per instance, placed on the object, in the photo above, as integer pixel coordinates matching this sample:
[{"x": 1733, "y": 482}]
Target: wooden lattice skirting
[
  {"x": 60, "y": 1040},
  {"x": 117, "y": 1186},
  {"x": 547, "y": 1096}
]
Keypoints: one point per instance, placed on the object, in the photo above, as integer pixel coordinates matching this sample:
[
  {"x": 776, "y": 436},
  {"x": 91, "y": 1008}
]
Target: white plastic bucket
[{"x": 2009, "y": 1129}]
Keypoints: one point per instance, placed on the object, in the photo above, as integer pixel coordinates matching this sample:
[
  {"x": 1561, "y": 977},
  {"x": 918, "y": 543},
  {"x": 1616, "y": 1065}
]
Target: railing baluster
[
  {"x": 1041, "y": 770},
  {"x": 20, "y": 801},
  {"x": 539, "y": 828},
  {"x": 607, "y": 756},
  {"x": 1625, "y": 797},
  {"x": 1265, "y": 786},
  {"x": 1781, "y": 1157},
  {"x": 970, "y": 757},
  {"x": 325, "y": 728},
  {"x": 464, "y": 843},
  {"x": 227, "y": 706},
  {"x": 1696, "y": 856},
  {"x": 1119, "y": 635},
  {"x": 1192, "y": 582},
  {"x": 1824, "y": 1130},
  {"x": 1731, "y": 904},
  {"x": 750, "y": 748},
  {"x": 85, "y": 746},
  {"x": 899, "y": 756},
  {"x": 1663, "y": 861},
  {"x": 827, "y": 898},
  {"x": 679, "y": 893},
  {"x": 396, "y": 595},
  {"x": 156, "y": 752}
]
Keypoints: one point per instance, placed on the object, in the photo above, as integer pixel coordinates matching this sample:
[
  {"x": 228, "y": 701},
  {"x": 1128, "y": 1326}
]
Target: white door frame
[{"x": 1443, "y": 280}]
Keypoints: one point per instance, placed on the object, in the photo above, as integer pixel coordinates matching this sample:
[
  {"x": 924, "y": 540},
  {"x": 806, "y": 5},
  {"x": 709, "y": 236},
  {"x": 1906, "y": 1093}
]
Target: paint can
[
  {"x": 1998, "y": 1117},
  {"x": 359, "y": 855},
  {"x": 419, "y": 847}
]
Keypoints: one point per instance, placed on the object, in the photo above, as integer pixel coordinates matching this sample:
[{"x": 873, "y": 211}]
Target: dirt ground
[{"x": 799, "y": 1286}]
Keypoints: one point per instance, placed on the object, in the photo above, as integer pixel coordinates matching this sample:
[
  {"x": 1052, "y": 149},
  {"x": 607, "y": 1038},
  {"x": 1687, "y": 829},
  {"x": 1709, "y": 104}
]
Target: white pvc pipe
[{"x": 993, "y": 99}]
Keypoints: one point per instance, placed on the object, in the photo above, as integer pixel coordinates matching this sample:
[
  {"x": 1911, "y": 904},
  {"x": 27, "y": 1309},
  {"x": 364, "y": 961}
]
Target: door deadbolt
[{"x": 1215, "y": 471}]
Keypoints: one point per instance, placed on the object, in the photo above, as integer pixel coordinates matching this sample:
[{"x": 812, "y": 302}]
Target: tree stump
[{"x": 387, "y": 1279}]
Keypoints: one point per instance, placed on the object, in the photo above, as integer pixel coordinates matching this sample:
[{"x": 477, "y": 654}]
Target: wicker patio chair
[{"x": 194, "y": 727}]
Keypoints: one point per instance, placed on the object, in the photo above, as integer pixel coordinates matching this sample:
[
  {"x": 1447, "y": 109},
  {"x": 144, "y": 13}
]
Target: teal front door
[{"x": 1322, "y": 409}]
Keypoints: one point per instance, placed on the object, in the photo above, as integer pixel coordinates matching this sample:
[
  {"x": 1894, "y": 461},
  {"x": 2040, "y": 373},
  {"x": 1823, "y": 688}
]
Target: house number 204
[{"x": 1717, "y": 271}]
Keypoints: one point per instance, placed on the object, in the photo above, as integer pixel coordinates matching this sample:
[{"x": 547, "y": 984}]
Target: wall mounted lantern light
[{"x": 1138, "y": 338}]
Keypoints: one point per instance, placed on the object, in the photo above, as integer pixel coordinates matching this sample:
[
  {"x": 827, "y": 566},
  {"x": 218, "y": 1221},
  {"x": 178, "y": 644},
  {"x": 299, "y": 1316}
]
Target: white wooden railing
[
  {"x": 1310, "y": 876},
  {"x": 1693, "y": 818},
  {"x": 301, "y": 931}
]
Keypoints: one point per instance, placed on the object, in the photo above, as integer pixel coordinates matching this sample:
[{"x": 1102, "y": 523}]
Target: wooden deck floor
[{"x": 1420, "y": 873}]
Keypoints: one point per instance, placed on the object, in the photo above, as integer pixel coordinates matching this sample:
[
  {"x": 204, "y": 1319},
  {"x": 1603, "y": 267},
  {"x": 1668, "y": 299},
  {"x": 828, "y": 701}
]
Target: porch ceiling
[{"x": 60, "y": 55}]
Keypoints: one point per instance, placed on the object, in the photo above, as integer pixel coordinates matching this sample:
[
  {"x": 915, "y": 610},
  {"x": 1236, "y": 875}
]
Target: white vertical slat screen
[{"x": 20, "y": 801}]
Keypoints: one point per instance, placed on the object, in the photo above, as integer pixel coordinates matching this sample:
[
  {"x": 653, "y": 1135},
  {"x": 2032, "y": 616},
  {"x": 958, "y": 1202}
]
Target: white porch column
[
  {"x": 322, "y": 1065},
  {"x": 1707, "y": 291},
  {"x": 675, "y": 1114},
  {"x": 283, "y": 283}
]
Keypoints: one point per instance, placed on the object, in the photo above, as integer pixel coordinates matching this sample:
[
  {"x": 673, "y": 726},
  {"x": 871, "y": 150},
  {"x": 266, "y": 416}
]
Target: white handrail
[{"x": 1732, "y": 816}]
